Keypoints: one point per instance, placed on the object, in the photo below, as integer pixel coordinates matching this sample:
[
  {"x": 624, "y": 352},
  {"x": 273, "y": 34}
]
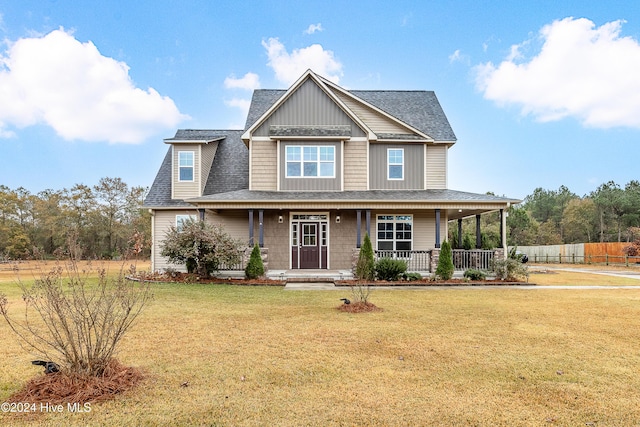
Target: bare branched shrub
[{"x": 75, "y": 319}]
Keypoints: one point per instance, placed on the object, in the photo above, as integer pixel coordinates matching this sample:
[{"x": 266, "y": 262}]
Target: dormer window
[{"x": 185, "y": 160}]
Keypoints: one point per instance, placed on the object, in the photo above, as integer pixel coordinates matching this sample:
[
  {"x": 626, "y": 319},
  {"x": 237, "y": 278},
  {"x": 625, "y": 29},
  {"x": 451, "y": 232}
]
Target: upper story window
[
  {"x": 311, "y": 161},
  {"x": 395, "y": 163},
  {"x": 185, "y": 163}
]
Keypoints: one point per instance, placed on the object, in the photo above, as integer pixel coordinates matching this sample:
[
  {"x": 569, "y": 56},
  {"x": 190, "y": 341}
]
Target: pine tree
[
  {"x": 365, "y": 268},
  {"x": 445, "y": 268},
  {"x": 255, "y": 267}
]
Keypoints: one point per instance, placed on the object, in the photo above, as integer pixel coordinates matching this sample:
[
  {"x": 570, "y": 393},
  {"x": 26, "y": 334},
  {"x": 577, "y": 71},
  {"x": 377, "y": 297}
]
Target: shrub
[
  {"x": 445, "y": 268},
  {"x": 390, "y": 269},
  {"x": 410, "y": 277},
  {"x": 473, "y": 274},
  {"x": 510, "y": 269},
  {"x": 75, "y": 322},
  {"x": 255, "y": 267},
  {"x": 365, "y": 268},
  {"x": 203, "y": 247}
]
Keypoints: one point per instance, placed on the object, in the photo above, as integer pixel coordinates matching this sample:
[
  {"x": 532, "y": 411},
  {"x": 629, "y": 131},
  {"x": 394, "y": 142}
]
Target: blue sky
[{"x": 539, "y": 94}]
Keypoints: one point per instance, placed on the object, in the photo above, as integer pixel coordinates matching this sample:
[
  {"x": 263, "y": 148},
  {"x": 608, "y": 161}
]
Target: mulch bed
[
  {"x": 192, "y": 278},
  {"x": 68, "y": 388},
  {"x": 358, "y": 307}
]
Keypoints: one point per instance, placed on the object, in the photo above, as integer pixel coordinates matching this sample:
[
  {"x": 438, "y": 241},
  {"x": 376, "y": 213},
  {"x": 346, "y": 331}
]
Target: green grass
[{"x": 263, "y": 356}]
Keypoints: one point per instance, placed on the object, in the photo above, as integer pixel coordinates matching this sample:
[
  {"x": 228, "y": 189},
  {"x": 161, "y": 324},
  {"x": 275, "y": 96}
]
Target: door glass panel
[{"x": 309, "y": 235}]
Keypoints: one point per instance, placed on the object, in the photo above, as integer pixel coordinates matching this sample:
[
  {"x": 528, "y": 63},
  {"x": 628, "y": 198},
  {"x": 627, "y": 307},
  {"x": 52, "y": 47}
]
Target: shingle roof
[
  {"x": 229, "y": 172},
  {"x": 419, "y": 109},
  {"x": 442, "y": 195}
]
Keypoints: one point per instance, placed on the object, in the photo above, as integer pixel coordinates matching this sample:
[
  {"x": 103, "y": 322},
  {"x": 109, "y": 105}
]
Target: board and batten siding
[
  {"x": 308, "y": 106},
  {"x": 413, "y": 167},
  {"x": 355, "y": 165},
  {"x": 264, "y": 166},
  {"x": 436, "y": 173},
  {"x": 186, "y": 189},
  {"x": 310, "y": 183},
  {"x": 208, "y": 153},
  {"x": 376, "y": 121}
]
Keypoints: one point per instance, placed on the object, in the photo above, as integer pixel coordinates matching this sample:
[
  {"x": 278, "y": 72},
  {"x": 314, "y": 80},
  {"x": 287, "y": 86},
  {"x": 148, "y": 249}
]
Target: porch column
[
  {"x": 503, "y": 229},
  {"x": 437, "y": 228},
  {"x": 460, "y": 233},
  {"x": 368, "y": 219},
  {"x": 201, "y": 212},
  {"x": 251, "y": 227},
  {"x": 261, "y": 228},
  {"x": 359, "y": 226},
  {"x": 478, "y": 234}
]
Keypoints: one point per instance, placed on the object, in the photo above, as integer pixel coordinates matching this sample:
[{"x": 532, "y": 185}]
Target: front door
[
  {"x": 309, "y": 245},
  {"x": 309, "y": 240}
]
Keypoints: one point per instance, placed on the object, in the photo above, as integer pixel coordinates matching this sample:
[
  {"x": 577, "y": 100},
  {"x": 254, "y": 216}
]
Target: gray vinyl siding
[
  {"x": 308, "y": 106},
  {"x": 436, "y": 173},
  {"x": 413, "y": 167},
  {"x": 310, "y": 184}
]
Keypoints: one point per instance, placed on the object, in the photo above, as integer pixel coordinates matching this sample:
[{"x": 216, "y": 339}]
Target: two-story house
[{"x": 316, "y": 168}]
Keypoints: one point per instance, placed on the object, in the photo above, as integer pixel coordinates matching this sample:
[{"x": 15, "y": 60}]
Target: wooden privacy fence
[{"x": 580, "y": 253}]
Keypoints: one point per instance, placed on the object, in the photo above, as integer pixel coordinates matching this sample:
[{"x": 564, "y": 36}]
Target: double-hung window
[
  {"x": 395, "y": 163},
  {"x": 185, "y": 165},
  {"x": 310, "y": 161},
  {"x": 395, "y": 232}
]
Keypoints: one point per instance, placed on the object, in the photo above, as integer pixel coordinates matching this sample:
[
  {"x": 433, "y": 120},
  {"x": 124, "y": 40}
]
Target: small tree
[
  {"x": 445, "y": 267},
  {"x": 201, "y": 246},
  {"x": 365, "y": 268},
  {"x": 74, "y": 321},
  {"x": 255, "y": 267}
]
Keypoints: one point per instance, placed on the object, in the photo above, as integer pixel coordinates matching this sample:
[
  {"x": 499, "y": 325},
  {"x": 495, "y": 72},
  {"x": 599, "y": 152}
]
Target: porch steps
[{"x": 309, "y": 276}]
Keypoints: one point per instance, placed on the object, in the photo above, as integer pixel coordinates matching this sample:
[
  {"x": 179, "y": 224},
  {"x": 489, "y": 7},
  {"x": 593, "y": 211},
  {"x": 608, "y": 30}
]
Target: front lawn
[{"x": 264, "y": 356}]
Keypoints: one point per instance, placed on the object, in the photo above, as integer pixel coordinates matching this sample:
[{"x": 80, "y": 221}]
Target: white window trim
[
  {"x": 302, "y": 162},
  {"x": 394, "y": 221},
  {"x": 181, "y": 218},
  {"x": 389, "y": 164},
  {"x": 193, "y": 165}
]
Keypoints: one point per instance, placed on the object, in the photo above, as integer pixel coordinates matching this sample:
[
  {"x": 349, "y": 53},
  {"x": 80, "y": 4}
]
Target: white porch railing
[
  {"x": 478, "y": 259},
  {"x": 416, "y": 260}
]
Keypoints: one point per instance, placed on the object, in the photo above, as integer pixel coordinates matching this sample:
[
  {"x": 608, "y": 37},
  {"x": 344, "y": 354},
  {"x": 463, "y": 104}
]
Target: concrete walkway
[
  {"x": 324, "y": 286},
  {"x": 604, "y": 272}
]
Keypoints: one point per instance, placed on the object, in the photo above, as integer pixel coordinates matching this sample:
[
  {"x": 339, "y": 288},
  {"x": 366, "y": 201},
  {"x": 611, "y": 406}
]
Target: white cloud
[
  {"x": 582, "y": 71},
  {"x": 457, "y": 56},
  {"x": 68, "y": 85},
  {"x": 249, "y": 81},
  {"x": 290, "y": 66},
  {"x": 242, "y": 104},
  {"x": 314, "y": 28}
]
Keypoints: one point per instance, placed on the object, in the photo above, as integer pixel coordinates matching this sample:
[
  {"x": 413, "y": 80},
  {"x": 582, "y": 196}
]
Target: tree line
[
  {"x": 610, "y": 213},
  {"x": 103, "y": 219}
]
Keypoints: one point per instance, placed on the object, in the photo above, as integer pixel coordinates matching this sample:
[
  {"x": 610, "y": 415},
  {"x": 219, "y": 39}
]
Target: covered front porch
[{"x": 323, "y": 231}]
